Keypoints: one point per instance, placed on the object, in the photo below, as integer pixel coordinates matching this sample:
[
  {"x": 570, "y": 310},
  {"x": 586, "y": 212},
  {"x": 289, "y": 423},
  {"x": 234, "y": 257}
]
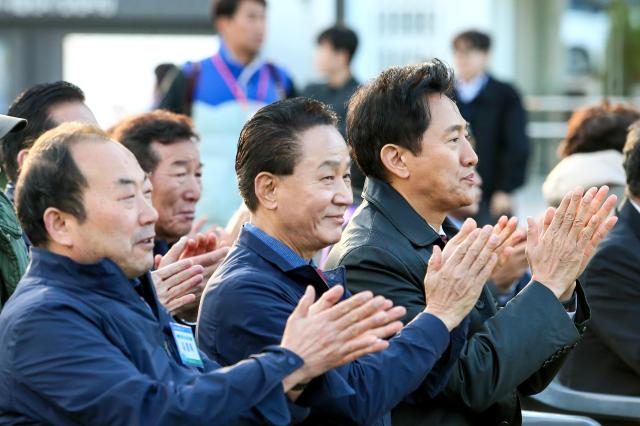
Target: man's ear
[
  {"x": 59, "y": 226},
  {"x": 266, "y": 188},
  {"x": 393, "y": 159},
  {"x": 22, "y": 157}
]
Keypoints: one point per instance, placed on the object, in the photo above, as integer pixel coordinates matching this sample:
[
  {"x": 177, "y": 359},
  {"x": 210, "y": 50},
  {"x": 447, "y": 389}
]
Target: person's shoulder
[
  {"x": 245, "y": 271},
  {"x": 38, "y": 306},
  {"x": 620, "y": 245},
  {"x": 370, "y": 237},
  {"x": 504, "y": 88},
  {"x": 280, "y": 68},
  {"x": 618, "y": 253},
  {"x": 312, "y": 89}
]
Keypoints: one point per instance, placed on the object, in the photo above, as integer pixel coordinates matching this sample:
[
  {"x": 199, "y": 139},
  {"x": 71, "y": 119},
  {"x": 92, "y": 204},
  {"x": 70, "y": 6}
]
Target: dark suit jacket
[
  {"x": 498, "y": 124},
  {"x": 608, "y": 358},
  {"x": 386, "y": 247}
]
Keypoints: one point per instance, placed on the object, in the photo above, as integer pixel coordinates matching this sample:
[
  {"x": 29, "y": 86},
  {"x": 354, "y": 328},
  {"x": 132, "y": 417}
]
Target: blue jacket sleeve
[
  {"x": 108, "y": 389},
  {"x": 243, "y": 315}
]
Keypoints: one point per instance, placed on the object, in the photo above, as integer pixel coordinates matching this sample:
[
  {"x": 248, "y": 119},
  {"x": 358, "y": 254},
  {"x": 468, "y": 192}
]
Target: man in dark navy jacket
[
  {"x": 84, "y": 339},
  {"x": 293, "y": 172}
]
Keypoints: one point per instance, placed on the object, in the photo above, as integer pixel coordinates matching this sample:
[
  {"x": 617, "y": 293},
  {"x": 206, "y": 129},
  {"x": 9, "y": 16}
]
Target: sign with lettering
[{"x": 59, "y": 8}]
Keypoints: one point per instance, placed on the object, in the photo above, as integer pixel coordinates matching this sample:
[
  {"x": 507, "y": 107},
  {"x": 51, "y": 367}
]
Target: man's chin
[{"x": 464, "y": 201}]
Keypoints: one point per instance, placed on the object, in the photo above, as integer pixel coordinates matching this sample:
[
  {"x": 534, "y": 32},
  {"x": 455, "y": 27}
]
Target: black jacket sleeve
[{"x": 504, "y": 351}]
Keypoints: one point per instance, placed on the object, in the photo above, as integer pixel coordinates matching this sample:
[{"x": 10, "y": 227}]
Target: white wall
[
  {"x": 397, "y": 32},
  {"x": 293, "y": 26}
]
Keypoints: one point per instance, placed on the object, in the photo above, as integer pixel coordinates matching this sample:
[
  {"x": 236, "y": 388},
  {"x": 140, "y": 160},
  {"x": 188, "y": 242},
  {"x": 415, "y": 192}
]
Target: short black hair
[
  {"x": 34, "y": 104},
  {"x": 340, "y": 37},
  {"x": 139, "y": 131},
  {"x": 269, "y": 141},
  {"x": 632, "y": 159},
  {"x": 51, "y": 178},
  {"x": 228, "y": 8},
  {"x": 393, "y": 109},
  {"x": 474, "y": 39}
]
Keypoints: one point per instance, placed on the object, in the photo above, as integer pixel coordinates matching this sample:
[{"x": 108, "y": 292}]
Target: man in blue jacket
[
  {"x": 221, "y": 92},
  {"x": 84, "y": 339},
  {"x": 293, "y": 171}
]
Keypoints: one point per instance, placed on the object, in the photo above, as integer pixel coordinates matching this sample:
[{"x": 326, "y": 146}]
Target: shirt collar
[
  {"x": 289, "y": 257},
  {"x": 225, "y": 54},
  {"x": 283, "y": 258},
  {"x": 468, "y": 90},
  {"x": 242, "y": 72}
]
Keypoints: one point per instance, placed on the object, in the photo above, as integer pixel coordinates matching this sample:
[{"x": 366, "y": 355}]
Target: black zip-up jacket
[{"x": 515, "y": 350}]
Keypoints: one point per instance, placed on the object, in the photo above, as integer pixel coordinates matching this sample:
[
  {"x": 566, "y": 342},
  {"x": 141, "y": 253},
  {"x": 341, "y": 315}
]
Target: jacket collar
[
  {"x": 306, "y": 273},
  {"x": 630, "y": 215},
  {"x": 102, "y": 277},
  {"x": 399, "y": 212}
]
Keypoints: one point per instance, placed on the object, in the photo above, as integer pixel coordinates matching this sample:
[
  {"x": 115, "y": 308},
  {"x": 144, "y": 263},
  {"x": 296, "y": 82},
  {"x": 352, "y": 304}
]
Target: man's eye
[
  {"x": 455, "y": 140},
  {"x": 328, "y": 178},
  {"x": 347, "y": 176},
  {"x": 179, "y": 175}
]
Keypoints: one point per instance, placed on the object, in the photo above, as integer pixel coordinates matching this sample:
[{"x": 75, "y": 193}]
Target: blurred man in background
[
  {"x": 335, "y": 49},
  {"x": 513, "y": 274},
  {"x": 498, "y": 124},
  {"x": 222, "y": 91}
]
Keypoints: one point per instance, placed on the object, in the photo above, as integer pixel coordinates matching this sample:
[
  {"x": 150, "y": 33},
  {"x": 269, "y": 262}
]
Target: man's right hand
[
  {"x": 559, "y": 248},
  {"x": 327, "y": 334},
  {"x": 453, "y": 284}
]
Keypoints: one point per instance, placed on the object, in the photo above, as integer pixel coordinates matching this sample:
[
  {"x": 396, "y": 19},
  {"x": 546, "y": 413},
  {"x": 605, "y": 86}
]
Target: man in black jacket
[
  {"x": 608, "y": 358},
  {"x": 410, "y": 140},
  {"x": 498, "y": 123}
]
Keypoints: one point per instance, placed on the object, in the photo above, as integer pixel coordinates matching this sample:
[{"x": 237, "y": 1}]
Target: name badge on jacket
[{"x": 186, "y": 345}]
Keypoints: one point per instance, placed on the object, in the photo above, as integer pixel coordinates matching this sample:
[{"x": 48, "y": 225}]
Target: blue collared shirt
[
  {"x": 246, "y": 306},
  {"x": 293, "y": 259}
]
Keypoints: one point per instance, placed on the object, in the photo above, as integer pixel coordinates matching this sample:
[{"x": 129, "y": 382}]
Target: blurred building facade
[{"x": 560, "y": 53}]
